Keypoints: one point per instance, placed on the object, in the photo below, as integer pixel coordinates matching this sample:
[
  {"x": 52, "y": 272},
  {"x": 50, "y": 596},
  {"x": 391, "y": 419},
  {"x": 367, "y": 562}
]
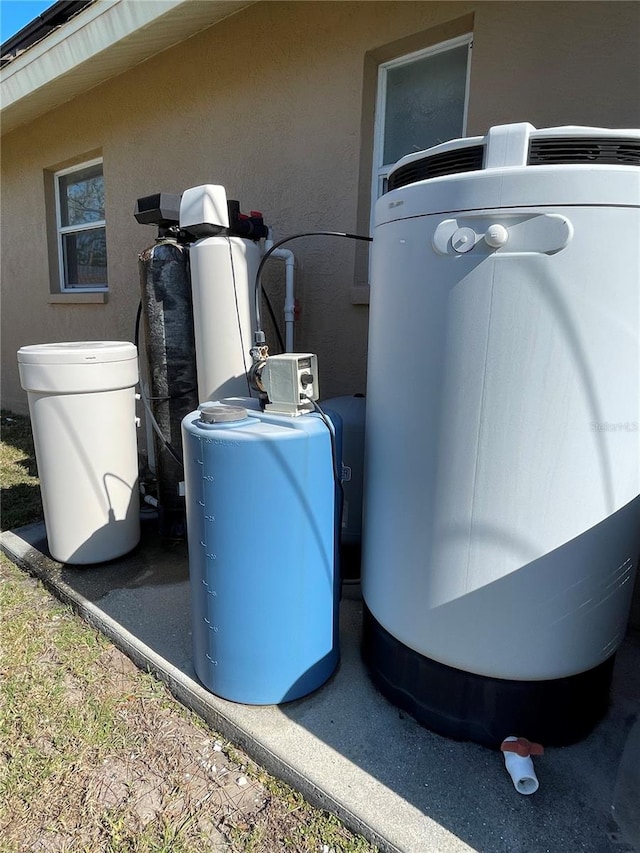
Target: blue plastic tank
[{"x": 261, "y": 522}]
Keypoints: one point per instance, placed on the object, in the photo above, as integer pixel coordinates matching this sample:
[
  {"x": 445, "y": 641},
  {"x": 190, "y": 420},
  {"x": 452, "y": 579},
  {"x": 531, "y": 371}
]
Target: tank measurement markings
[
  {"x": 213, "y": 593},
  {"x": 209, "y": 590}
]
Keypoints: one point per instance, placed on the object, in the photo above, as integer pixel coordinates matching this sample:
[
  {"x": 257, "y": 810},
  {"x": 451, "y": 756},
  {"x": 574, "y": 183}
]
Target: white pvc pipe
[
  {"x": 148, "y": 499},
  {"x": 289, "y": 290},
  {"x": 520, "y": 768},
  {"x": 289, "y": 300}
]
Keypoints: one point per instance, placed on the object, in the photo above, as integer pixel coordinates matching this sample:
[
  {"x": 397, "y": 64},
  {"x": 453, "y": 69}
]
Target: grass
[
  {"x": 98, "y": 756},
  {"x": 21, "y": 502},
  {"x": 50, "y": 709}
]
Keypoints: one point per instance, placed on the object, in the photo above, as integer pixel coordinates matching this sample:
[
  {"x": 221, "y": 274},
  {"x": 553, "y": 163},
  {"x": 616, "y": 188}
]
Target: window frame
[
  {"x": 380, "y": 170},
  {"x": 61, "y": 230}
]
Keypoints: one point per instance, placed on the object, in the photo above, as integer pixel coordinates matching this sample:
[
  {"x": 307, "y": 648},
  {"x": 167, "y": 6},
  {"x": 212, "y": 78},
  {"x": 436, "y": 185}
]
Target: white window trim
[
  {"x": 68, "y": 229},
  {"x": 380, "y": 169}
]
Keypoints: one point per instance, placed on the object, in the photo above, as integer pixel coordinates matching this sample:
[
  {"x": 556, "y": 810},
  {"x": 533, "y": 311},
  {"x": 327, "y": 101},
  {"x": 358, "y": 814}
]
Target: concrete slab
[{"x": 345, "y": 747}]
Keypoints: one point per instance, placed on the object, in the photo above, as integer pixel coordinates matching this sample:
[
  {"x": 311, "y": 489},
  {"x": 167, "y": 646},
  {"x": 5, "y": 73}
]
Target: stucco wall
[{"x": 276, "y": 103}]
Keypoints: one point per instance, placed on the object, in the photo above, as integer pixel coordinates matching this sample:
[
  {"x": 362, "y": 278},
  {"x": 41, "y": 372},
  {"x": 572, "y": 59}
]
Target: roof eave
[
  {"x": 102, "y": 40},
  {"x": 53, "y": 17}
]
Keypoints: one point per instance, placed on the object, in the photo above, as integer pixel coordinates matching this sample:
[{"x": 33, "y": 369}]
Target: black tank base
[{"x": 466, "y": 706}]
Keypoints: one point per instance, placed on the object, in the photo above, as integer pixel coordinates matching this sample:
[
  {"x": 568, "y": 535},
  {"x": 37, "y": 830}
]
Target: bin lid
[{"x": 77, "y": 352}]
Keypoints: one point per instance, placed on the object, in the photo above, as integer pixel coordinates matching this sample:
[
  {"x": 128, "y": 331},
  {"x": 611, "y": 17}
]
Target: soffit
[{"x": 103, "y": 40}]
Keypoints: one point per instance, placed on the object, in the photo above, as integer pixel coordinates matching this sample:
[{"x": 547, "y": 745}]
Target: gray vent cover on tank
[
  {"x": 566, "y": 150},
  {"x": 464, "y": 159}
]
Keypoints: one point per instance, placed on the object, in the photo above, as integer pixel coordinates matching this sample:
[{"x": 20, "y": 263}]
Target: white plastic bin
[{"x": 82, "y": 407}]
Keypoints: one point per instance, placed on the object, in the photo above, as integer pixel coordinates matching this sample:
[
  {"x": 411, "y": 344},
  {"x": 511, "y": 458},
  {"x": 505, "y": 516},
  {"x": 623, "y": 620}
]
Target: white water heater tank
[{"x": 502, "y": 462}]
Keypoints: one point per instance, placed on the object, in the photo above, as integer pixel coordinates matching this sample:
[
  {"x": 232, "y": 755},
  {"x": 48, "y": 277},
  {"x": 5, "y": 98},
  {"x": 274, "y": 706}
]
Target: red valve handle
[{"x": 523, "y": 747}]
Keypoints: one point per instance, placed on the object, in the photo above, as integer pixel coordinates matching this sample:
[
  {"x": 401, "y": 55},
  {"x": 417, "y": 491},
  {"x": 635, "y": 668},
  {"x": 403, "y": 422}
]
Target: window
[
  {"x": 81, "y": 233},
  {"x": 422, "y": 101}
]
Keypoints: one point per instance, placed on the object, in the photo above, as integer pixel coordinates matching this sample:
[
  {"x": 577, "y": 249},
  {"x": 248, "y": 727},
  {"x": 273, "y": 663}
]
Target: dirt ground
[{"x": 141, "y": 773}]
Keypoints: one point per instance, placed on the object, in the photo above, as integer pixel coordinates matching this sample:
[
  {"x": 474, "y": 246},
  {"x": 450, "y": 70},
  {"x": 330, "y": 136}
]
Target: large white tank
[
  {"x": 223, "y": 271},
  {"x": 82, "y": 407},
  {"x": 502, "y": 468}
]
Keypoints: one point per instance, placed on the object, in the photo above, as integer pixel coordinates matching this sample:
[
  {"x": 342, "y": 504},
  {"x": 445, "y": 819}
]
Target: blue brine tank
[{"x": 260, "y": 497}]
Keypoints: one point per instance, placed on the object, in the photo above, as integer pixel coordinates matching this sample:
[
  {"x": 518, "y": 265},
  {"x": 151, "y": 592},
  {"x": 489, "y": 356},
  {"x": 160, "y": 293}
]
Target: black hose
[
  {"x": 274, "y": 321},
  {"x": 136, "y": 334},
  {"x": 269, "y": 252},
  {"x": 334, "y": 449},
  {"x": 235, "y": 296}
]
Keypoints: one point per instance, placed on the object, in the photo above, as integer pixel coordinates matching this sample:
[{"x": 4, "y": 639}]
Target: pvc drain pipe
[{"x": 517, "y": 758}]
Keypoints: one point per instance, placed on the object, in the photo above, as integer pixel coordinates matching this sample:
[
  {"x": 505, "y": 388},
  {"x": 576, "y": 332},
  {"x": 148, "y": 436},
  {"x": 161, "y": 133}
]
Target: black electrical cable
[
  {"x": 136, "y": 333},
  {"x": 271, "y": 250},
  {"x": 274, "y": 320},
  {"x": 334, "y": 449},
  {"x": 235, "y": 296},
  {"x": 337, "y": 466},
  {"x": 336, "y": 471}
]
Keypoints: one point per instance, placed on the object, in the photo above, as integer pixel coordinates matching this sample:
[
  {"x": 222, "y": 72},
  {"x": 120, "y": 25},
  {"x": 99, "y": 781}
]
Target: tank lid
[
  {"x": 77, "y": 352},
  {"x": 218, "y": 414}
]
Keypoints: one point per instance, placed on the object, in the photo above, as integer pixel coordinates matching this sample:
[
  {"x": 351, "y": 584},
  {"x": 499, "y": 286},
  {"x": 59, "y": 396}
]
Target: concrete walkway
[{"x": 345, "y": 747}]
